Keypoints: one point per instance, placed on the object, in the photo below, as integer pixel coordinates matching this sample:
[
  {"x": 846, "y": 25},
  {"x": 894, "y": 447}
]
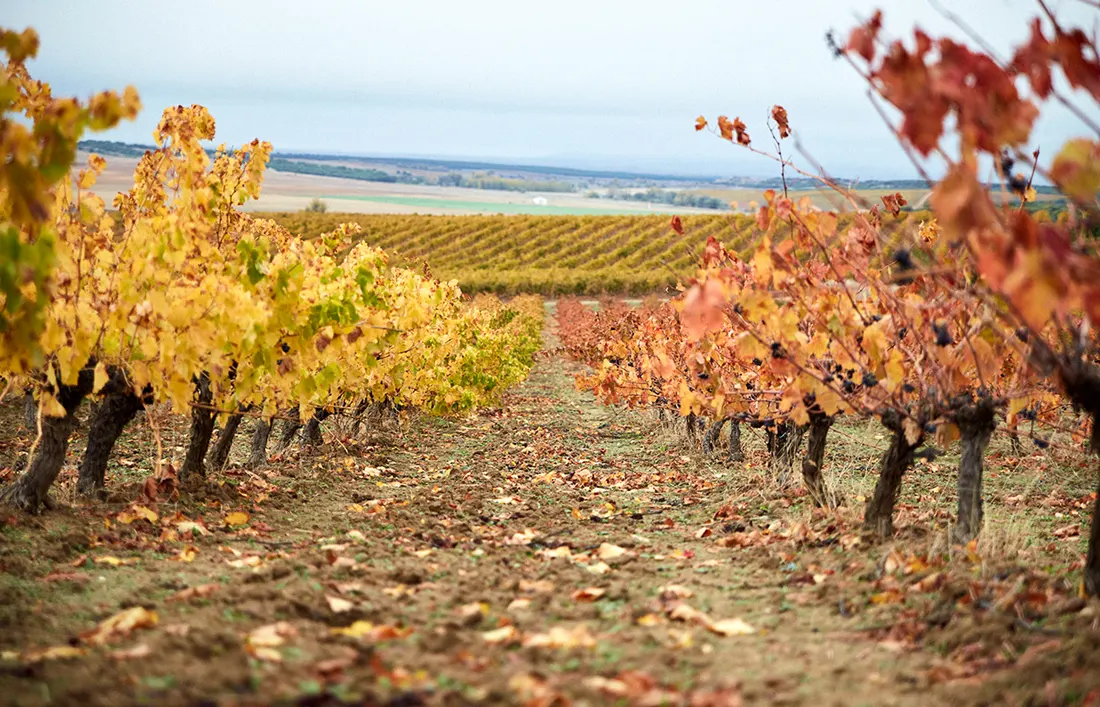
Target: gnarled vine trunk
[
  {"x": 290, "y": 429},
  {"x": 30, "y": 411},
  {"x": 312, "y": 433},
  {"x": 814, "y": 462},
  {"x": 785, "y": 443},
  {"x": 257, "y": 457},
  {"x": 976, "y": 421},
  {"x": 691, "y": 427},
  {"x": 714, "y": 432},
  {"x": 895, "y": 461},
  {"x": 1092, "y": 558},
  {"x": 110, "y": 419},
  {"x": 219, "y": 453},
  {"x": 357, "y": 423},
  {"x": 735, "y": 454},
  {"x": 31, "y": 490},
  {"x": 202, "y": 429}
]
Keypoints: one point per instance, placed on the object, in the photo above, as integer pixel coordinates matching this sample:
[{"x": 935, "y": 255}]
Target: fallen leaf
[
  {"x": 687, "y": 613},
  {"x": 674, "y": 591},
  {"x": 730, "y": 627},
  {"x": 474, "y": 610},
  {"x": 560, "y": 637},
  {"x": 504, "y": 634},
  {"x": 332, "y": 669},
  {"x": 52, "y": 653},
  {"x": 119, "y": 625},
  {"x": 252, "y": 561},
  {"x": 608, "y": 551},
  {"x": 136, "y": 512},
  {"x": 598, "y": 568},
  {"x": 523, "y": 538},
  {"x": 519, "y": 605},
  {"x": 538, "y": 586},
  {"x": 187, "y": 554},
  {"x": 141, "y": 650},
  {"x": 262, "y": 642},
  {"x": 78, "y": 577},
  {"x": 114, "y": 561},
  {"x": 371, "y": 632},
  {"x": 339, "y": 605},
  {"x": 588, "y": 594},
  {"x": 236, "y": 519},
  {"x": 196, "y": 592}
]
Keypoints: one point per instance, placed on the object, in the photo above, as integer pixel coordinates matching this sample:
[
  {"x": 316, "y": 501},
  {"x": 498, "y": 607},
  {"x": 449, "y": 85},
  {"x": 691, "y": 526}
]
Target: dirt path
[{"x": 549, "y": 548}]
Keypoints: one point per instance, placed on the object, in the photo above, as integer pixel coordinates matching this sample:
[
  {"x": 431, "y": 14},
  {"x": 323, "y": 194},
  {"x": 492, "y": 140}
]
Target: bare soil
[{"x": 548, "y": 552}]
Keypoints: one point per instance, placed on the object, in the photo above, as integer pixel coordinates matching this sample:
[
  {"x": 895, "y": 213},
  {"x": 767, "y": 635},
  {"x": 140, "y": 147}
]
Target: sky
[{"x": 609, "y": 84}]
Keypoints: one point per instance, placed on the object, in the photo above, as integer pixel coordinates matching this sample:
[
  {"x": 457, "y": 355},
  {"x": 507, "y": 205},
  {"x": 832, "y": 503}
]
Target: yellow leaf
[
  {"x": 1076, "y": 169},
  {"x": 50, "y": 406},
  {"x": 119, "y": 625},
  {"x": 52, "y": 653},
  {"x": 730, "y": 627},
  {"x": 114, "y": 561},
  {"x": 504, "y": 634},
  {"x": 895, "y": 370},
  {"x": 100, "y": 377},
  {"x": 236, "y": 519},
  {"x": 187, "y": 554}
]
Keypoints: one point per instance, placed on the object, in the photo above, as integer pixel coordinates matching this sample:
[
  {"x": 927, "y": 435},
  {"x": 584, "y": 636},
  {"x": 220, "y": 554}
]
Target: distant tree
[{"x": 317, "y": 206}]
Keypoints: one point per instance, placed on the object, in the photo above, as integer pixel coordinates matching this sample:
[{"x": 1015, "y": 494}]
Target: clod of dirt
[{"x": 410, "y": 576}]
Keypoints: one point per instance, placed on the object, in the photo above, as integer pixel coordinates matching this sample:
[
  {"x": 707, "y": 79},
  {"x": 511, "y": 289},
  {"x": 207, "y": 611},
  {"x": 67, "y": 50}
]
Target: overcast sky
[{"x": 608, "y": 83}]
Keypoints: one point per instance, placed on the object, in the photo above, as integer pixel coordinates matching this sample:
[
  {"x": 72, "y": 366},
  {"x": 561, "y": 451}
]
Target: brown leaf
[
  {"x": 78, "y": 577},
  {"x": 588, "y": 594},
  {"x": 779, "y": 115},
  {"x": 371, "y": 632},
  {"x": 197, "y": 592}
]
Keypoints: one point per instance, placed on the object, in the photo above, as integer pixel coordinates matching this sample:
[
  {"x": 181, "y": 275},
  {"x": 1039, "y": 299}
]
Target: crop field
[{"x": 550, "y": 255}]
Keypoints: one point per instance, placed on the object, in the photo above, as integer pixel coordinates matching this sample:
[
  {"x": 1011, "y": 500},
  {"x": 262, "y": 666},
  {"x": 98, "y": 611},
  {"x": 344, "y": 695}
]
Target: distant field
[
  {"x": 284, "y": 191},
  {"x": 433, "y": 205},
  {"x": 820, "y": 198},
  {"x": 551, "y": 255}
]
